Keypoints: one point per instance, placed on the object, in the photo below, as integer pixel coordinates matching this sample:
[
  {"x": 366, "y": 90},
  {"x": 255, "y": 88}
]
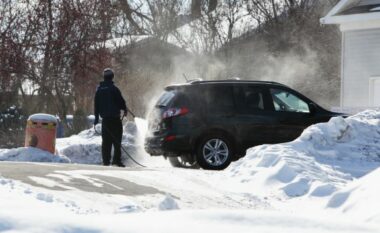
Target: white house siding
[
  {"x": 361, "y": 63},
  {"x": 369, "y": 2}
]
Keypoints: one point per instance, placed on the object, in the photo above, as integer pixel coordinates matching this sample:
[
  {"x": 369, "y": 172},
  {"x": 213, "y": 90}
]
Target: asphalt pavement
[{"x": 35, "y": 173}]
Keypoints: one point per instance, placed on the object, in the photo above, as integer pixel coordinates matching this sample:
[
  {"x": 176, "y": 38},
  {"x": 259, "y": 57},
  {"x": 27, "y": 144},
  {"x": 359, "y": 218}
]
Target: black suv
[{"x": 211, "y": 123}]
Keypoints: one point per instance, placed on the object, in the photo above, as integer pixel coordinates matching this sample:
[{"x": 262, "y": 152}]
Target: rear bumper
[
  {"x": 153, "y": 145},
  {"x": 157, "y": 145}
]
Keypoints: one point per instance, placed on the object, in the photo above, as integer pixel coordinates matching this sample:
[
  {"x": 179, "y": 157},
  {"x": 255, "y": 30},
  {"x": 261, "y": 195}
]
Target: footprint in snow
[
  {"x": 128, "y": 209},
  {"x": 45, "y": 197},
  {"x": 168, "y": 203}
]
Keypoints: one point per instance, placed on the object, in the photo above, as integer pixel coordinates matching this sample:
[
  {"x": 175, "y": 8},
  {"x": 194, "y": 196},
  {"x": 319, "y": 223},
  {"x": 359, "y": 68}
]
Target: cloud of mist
[{"x": 300, "y": 70}]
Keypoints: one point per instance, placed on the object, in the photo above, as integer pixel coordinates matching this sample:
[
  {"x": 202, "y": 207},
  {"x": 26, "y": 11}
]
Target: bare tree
[
  {"x": 11, "y": 57},
  {"x": 59, "y": 49},
  {"x": 234, "y": 10}
]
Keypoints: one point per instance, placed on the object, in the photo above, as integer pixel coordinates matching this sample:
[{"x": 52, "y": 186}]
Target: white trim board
[
  {"x": 341, "y": 19},
  {"x": 333, "y": 16},
  {"x": 342, "y": 68},
  {"x": 371, "y": 96},
  {"x": 372, "y": 24},
  {"x": 342, "y": 5}
]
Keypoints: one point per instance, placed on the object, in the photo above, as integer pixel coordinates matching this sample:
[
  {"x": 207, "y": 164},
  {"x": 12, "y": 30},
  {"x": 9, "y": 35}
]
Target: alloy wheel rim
[{"x": 215, "y": 152}]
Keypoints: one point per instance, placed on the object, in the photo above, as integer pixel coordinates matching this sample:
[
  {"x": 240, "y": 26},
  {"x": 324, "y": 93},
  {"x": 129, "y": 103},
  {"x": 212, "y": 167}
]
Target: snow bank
[
  {"x": 31, "y": 154},
  {"x": 324, "y": 158},
  {"x": 86, "y": 147},
  {"x": 360, "y": 198}
]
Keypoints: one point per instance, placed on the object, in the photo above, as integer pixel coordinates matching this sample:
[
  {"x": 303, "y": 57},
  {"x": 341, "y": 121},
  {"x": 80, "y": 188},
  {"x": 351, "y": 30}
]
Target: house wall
[
  {"x": 369, "y": 2},
  {"x": 360, "y": 64}
]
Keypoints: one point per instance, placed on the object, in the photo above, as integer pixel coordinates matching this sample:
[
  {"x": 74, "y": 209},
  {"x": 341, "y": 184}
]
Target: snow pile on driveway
[
  {"x": 85, "y": 148},
  {"x": 31, "y": 154},
  {"x": 360, "y": 199},
  {"x": 323, "y": 159}
]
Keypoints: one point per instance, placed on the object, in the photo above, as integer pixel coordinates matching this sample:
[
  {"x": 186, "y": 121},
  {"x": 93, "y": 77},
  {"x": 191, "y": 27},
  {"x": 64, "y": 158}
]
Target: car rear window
[{"x": 165, "y": 98}]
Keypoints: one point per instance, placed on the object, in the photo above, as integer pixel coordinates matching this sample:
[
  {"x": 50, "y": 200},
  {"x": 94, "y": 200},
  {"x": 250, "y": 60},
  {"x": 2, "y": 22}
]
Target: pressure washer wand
[{"x": 128, "y": 110}]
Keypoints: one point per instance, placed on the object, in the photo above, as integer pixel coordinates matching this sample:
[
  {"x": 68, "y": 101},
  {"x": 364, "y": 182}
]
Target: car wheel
[
  {"x": 183, "y": 162},
  {"x": 214, "y": 152}
]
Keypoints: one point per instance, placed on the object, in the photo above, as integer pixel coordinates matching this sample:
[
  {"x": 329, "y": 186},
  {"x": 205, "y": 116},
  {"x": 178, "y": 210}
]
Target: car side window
[
  {"x": 220, "y": 99},
  {"x": 285, "y": 101},
  {"x": 253, "y": 98}
]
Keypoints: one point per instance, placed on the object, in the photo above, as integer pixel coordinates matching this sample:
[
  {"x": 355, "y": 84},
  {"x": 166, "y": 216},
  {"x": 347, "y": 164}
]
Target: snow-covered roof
[
  {"x": 353, "y": 11},
  {"x": 123, "y": 41}
]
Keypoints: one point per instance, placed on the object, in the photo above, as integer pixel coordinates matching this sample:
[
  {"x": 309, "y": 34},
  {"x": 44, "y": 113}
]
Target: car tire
[
  {"x": 182, "y": 163},
  {"x": 215, "y": 152}
]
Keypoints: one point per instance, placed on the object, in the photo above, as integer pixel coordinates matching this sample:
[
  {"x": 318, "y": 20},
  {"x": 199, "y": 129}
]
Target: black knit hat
[{"x": 108, "y": 74}]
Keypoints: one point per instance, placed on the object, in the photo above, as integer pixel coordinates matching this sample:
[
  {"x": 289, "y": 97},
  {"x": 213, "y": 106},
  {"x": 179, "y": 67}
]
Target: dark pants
[{"x": 112, "y": 133}]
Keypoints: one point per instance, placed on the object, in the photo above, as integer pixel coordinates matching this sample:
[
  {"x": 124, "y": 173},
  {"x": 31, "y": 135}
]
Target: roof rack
[
  {"x": 195, "y": 80},
  {"x": 233, "y": 80},
  {"x": 226, "y": 81}
]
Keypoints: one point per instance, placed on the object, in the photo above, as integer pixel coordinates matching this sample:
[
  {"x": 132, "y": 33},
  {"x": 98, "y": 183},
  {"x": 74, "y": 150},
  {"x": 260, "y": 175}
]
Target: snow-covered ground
[
  {"x": 325, "y": 181},
  {"x": 31, "y": 154},
  {"x": 84, "y": 148}
]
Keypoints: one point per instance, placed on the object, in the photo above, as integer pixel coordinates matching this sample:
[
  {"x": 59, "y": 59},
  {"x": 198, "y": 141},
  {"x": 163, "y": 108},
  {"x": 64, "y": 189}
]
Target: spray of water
[
  {"x": 142, "y": 127},
  {"x": 142, "y": 130}
]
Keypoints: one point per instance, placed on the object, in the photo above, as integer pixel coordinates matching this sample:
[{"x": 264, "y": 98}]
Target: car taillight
[
  {"x": 170, "y": 138},
  {"x": 172, "y": 112}
]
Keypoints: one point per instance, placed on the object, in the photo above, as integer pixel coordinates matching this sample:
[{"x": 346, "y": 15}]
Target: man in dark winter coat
[{"x": 108, "y": 104}]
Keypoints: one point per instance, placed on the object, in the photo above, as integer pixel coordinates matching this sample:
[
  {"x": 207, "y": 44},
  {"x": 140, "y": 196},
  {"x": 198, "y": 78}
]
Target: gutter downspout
[{"x": 342, "y": 104}]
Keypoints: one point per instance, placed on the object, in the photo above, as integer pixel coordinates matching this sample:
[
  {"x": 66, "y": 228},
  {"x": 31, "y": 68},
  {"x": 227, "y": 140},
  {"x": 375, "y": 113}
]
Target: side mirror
[{"x": 312, "y": 108}]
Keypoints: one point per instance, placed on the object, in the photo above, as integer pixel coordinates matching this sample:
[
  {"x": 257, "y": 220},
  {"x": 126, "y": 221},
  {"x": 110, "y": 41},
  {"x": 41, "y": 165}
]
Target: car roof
[{"x": 227, "y": 81}]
